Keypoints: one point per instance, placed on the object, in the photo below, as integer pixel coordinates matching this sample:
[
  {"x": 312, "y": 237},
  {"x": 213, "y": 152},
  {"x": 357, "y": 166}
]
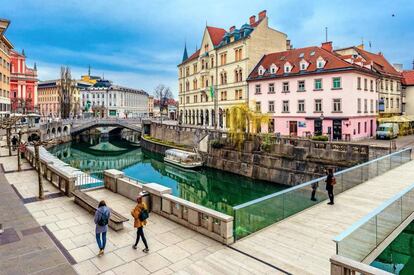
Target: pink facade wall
[{"x": 349, "y": 94}]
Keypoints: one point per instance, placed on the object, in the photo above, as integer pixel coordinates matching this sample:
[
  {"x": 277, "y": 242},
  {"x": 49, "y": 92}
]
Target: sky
[{"x": 138, "y": 44}]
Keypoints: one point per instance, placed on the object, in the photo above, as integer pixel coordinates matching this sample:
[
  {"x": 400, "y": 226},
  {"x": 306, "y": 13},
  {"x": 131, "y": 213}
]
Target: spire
[
  {"x": 89, "y": 70},
  {"x": 23, "y": 52},
  {"x": 185, "y": 55},
  {"x": 35, "y": 66}
]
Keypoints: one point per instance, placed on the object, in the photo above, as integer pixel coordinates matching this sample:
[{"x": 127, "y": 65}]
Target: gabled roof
[
  {"x": 294, "y": 57},
  {"x": 379, "y": 62},
  {"x": 216, "y": 34},
  {"x": 408, "y": 78}
]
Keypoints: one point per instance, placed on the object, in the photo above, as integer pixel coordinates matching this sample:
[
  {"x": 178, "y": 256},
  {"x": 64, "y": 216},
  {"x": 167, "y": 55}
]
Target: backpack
[
  {"x": 103, "y": 220},
  {"x": 143, "y": 215}
]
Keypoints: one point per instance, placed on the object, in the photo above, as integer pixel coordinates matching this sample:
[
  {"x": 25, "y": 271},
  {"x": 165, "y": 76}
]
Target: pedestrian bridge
[
  {"x": 303, "y": 241},
  {"x": 79, "y": 126}
]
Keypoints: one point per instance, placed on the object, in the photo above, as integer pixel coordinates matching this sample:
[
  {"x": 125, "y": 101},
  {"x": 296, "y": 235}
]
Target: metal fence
[
  {"x": 89, "y": 180},
  {"x": 254, "y": 215}
]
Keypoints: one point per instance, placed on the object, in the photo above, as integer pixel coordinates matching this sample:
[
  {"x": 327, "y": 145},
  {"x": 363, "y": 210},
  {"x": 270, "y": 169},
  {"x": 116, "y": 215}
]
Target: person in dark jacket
[
  {"x": 102, "y": 215},
  {"x": 330, "y": 182}
]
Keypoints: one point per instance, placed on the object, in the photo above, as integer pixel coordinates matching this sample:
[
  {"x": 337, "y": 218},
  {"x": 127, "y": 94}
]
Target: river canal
[{"x": 212, "y": 188}]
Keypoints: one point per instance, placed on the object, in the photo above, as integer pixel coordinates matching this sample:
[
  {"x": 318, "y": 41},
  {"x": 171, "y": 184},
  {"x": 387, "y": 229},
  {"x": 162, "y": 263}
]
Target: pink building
[
  {"x": 314, "y": 91},
  {"x": 23, "y": 84}
]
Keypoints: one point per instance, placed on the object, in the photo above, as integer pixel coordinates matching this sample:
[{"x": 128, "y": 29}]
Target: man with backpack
[
  {"x": 330, "y": 183},
  {"x": 140, "y": 215},
  {"x": 102, "y": 215}
]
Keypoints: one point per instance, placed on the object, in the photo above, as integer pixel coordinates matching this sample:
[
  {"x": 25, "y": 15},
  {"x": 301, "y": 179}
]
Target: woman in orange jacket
[{"x": 138, "y": 213}]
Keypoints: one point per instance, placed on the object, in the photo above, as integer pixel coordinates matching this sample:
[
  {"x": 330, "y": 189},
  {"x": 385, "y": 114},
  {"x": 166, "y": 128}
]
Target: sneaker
[
  {"x": 101, "y": 252},
  {"x": 145, "y": 250},
  {"x": 313, "y": 199},
  {"x": 134, "y": 247},
  {"x": 330, "y": 203}
]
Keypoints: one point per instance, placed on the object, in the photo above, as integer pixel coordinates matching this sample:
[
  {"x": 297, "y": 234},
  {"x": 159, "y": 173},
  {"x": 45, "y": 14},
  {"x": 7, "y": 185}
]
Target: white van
[{"x": 387, "y": 130}]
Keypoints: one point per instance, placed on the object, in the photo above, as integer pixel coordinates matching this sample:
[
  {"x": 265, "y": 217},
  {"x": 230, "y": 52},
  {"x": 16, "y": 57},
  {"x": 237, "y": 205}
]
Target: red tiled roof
[
  {"x": 408, "y": 78},
  {"x": 332, "y": 61},
  {"x": 380, "y": 63},
  {"x": 216, "y": 34},
  {"x": 191, "y": 57}
]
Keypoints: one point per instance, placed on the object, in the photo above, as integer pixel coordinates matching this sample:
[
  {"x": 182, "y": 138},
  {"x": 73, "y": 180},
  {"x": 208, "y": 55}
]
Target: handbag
[{"x": 143, "y": 215}]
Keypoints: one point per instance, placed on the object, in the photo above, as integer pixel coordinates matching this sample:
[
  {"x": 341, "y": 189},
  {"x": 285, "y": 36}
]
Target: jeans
[
  {"x": 331, "y": 195},
  {"x": 140, "y": 233},
  {"x": 98, "y": 240}
]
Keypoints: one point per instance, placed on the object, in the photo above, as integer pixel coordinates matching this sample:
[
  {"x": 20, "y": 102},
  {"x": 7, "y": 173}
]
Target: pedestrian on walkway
[
  {"x": 140, "y": 215},
  {"x": 102, "y": 215},
  {"x": 14, "y": 143},
  {"x": 330, "y": 182},
  {"x": 314, "y": 187}
]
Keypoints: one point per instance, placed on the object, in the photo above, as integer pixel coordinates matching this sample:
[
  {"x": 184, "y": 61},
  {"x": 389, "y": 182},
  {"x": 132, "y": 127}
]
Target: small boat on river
[{"x": 183, "y": 159}]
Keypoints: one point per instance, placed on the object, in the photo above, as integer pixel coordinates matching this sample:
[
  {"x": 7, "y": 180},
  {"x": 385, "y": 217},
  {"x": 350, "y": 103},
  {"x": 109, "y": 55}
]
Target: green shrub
[
  {"x": 216, "y": 144},
  {"x": 320, "y": 138}
]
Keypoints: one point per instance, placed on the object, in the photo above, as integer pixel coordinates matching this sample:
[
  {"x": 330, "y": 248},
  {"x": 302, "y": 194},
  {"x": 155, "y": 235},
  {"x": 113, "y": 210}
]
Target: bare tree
[
  {"x": 66, "y": 92},
  {"x": 163, "y": 93}
]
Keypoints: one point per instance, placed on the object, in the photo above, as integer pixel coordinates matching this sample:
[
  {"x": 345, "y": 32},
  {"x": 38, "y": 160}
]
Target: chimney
[
  {"x": 327, "y": 46},
  {"x": 262, "y": 14},
  {"x": 232, "y": 28},
  {"x": 252, "y": 19},
  {"x": 288, "y": 45}
]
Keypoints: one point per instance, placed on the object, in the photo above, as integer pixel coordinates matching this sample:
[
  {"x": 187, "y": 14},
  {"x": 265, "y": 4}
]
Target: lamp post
[{"x": 321, "y": 117}]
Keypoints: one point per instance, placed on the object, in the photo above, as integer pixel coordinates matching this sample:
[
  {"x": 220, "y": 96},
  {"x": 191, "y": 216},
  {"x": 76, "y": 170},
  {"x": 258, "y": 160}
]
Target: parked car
[{"x": 387, "y": 131}]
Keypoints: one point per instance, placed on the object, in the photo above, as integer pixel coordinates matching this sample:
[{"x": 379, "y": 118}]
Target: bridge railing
[
  {"x": 254, "y": 215},
  {"x": 360, "y": 239}
]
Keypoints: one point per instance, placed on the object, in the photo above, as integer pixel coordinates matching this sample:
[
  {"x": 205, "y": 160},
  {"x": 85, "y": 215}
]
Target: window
[
  {"x": 212, "y": 61},
  {"x": 386, "y": 84},
  {"x": 261, "y": 70},
  {"x": 195, "y": 67},
  {"x": 285, "y": 87},
  {"x": 318, "y": 84},
  {"x": 287, "y": 68},
  {"x": 238, "y": 94},
  {"x": 273, "y": 69},
  {"x": 359, "y": 105},
  {"x": 320, "y": 63},
  {"x": 285, "y": 106},
  {"x": 271, "y": 106},
  {"x": 271, "y": 128},
  {"x": 195, "y": 84},
  {"x": 301, "y": 86},
  {"x": 392, "y": 102},
  {"x": 195, "y": 98},
  {"x": 371, "y": 85},
  {"x": 303, "y": 66},
  {"x": 336, "y": 83},
  {"x": 301, "y": 106},
  {"x": 387, "y": 103},
  {"x": 398, "y": 103},
  {"x": 223, "y": 95},
  {"x": 392, "y": 85},
  {"x": 238, "y": 54},
  {"x": 258, "y": 107},
  {"x": 365, "y": 126},
  {"x": 223, "y": 58},
  {"x": 271, "y": 88},
  {"x": 372, "y": 105},
  {"x": 365, "y": 105},
  {"x": 359, "y": 83},
  {"x": 359, "y": 127},
  {"x": 365, "y": 84},
  {"x": 258, "y": 89},
  {"x": 318, "y": 105},
  {"x": 337, "y": 105},
  {"x": 187, "y": 99}
]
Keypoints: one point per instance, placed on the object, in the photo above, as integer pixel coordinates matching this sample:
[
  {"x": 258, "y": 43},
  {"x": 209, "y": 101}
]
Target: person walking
[
  {"x": 102, "y": 215},
  {"x": 314, "y": 187},
  {"x": 140, "y": 215},
  {"x": 330, "y": 182}
]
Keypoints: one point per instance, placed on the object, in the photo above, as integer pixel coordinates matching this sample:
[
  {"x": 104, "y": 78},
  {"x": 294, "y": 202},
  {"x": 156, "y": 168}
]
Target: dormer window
[
  {"x": 320, "y": 63},
  {"x": 303, "y": 65},
  {"x": 261, "y": 70},
  {"x": 273, "y": 69},
  {"x": 287, "y": 68}
]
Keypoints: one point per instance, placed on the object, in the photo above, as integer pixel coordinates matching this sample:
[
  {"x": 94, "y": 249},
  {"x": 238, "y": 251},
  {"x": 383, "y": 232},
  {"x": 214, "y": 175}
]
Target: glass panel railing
[
  {"x": 257, "y": 214},
  {"x": 358, "y": 241}
]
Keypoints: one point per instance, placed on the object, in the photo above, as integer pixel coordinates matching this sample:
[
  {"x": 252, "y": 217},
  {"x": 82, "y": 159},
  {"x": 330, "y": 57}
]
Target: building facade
[
  {"x": 5, "y": 48},
  {"x": 213, "y": 79},
  {"x": 23, "y": 84},
  {"x": 389, "y": 80},
  {"x": 49, "y": 94},
  {"x": 408, "y": 90},
  {"x": 313, "y": 91},
  {"x": 150, "y": 106},
  {"x": 107, "y": 100}
]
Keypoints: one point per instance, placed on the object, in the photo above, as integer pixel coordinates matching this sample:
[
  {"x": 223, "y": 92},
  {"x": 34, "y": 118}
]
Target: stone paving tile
[
  {"x": 81, "y": 254},
  {"x": 174, "y": 253},
  {"x": 107, "y": 261},
  {"x": 168, "y": 238},
  {"x": 164, "y": 271},
  {"x": 181, "y": 264},
  {"x": 130, "y": 268},
  {"x": 86, "y": 268},
  {"x": 192, "y": 246},
  {"x": 128, "y": 254},
  {"x": 153, "y": 262}
]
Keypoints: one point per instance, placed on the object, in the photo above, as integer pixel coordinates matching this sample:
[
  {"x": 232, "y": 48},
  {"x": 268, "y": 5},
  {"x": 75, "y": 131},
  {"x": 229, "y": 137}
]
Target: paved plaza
[{"x": 174, "y": 249}]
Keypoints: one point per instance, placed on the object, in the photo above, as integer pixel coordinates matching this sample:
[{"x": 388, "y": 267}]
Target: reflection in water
[
  {"x": 398, "y": 257},
  {"x": 209, "y": 187}
]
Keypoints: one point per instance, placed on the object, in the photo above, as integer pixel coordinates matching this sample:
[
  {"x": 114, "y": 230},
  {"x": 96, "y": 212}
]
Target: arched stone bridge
[{"x": 80, "y": 126}]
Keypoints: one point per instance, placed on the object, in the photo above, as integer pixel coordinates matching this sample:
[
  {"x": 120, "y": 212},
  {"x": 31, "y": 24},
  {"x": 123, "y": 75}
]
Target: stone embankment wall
[{"x": 288, "y": 161}]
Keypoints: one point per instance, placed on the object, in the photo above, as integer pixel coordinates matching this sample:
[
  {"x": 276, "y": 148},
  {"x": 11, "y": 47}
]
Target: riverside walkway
[{"x": 303, "y": 243}]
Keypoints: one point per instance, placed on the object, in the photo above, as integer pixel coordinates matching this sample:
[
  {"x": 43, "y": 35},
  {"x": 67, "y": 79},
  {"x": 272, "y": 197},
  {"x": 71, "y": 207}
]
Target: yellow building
[
  {"x": 150, "y": 106},
  {"x": 49, "y": 98},
  {"x": 213, "y": 79},
  {"x": 5, "y": 47},
  {"x": 90, "y": 78}
]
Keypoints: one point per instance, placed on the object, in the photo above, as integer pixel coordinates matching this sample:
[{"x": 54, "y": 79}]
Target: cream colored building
[
  {"x": 5, "y": 47},
  {"x": 223, "y": 63},
  {"x": 390, "y": 100},
  {"x": 49, "y": 98},
  {"x": 408, "y": 90},
  {"x": 150, "y": 106}
]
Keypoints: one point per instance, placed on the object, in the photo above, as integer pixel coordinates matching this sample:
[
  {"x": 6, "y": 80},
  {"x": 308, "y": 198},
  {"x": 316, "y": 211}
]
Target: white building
[{"x": 107, "y": 100}]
